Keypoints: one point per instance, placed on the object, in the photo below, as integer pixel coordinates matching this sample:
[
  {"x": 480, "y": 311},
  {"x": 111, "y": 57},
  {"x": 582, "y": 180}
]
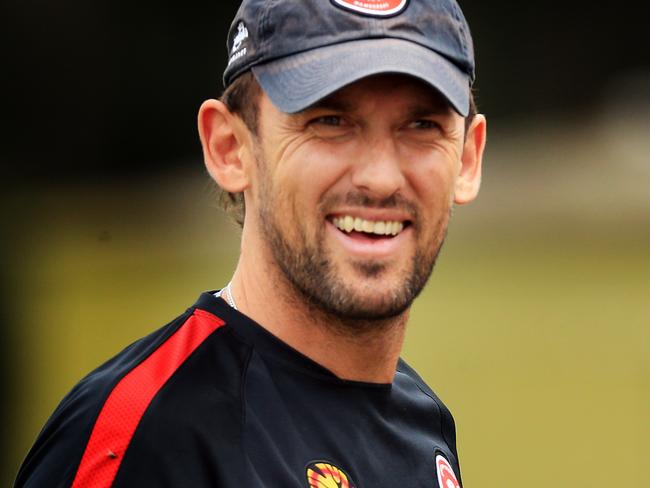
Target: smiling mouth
[{"x": 371, "y": 228}]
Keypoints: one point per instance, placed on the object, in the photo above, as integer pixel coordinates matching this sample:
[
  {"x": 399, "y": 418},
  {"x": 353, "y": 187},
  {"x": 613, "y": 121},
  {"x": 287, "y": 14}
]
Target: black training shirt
[{"x": 214, "y": 400}]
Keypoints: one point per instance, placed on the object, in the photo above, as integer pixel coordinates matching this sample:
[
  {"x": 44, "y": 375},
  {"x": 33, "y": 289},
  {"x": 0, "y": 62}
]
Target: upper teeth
[{"x": 379, "y": 227}]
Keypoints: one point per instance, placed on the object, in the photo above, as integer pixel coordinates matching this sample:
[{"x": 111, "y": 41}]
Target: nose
[{"x": 378, "y": 171}]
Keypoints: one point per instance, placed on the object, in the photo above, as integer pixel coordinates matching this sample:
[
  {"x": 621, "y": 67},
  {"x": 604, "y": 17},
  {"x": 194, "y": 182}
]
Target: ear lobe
[
  {"x": 469, "y": 178},
  {"x": 222, "y": 140}
]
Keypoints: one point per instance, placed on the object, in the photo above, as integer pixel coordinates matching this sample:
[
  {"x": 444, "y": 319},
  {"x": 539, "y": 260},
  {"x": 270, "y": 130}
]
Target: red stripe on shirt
[{"x": 130, "y": 398}]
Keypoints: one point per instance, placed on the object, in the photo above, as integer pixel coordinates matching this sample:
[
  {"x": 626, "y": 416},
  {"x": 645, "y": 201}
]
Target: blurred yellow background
[{"x": 533, "y": 329}]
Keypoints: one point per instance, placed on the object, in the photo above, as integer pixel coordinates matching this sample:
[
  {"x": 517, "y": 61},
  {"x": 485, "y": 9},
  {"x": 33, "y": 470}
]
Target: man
[{"x": 345, "y": 135}]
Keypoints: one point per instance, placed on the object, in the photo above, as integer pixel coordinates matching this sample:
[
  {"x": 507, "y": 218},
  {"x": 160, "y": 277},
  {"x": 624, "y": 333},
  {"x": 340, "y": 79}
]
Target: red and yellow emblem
[
  {"x": 377, "y": 8},
  {"x": 321, "y": 474}
]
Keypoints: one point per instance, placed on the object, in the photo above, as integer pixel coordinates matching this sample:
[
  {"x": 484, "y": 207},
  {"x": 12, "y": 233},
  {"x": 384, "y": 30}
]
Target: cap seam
[
  {"x": 262, "y": 36},
  {"x": 460, "y": 28},
  {"x": 264, "y": 19},
  {"x": 463, "y": 35}
]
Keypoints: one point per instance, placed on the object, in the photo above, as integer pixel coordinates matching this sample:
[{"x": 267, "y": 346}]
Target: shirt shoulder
[
  {"x": 92, "y": 434},
  {"x": 448, "y": 425}
]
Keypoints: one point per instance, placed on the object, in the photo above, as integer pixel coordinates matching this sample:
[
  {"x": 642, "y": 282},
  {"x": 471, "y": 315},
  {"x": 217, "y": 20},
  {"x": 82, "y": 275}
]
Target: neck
[{"x": 355, "y": 350}]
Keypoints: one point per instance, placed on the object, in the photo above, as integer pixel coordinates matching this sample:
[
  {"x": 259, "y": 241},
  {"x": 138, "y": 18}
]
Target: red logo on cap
[
  {"x": 446, "y": 476},
  {"x": 378, "y": 8}
]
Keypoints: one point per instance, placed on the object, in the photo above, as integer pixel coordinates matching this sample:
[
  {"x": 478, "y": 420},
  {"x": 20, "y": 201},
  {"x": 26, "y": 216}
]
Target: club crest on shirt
[
  {"x": 375, "y": 8},
  {"x": 322, "y": 474},
  {"x": 446, "y": 476}
]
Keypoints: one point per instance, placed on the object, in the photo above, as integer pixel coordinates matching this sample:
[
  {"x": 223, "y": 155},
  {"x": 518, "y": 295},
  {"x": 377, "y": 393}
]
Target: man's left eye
[
  {"x": 332, "y": 120},
  {"x": 424, "y": 124}
]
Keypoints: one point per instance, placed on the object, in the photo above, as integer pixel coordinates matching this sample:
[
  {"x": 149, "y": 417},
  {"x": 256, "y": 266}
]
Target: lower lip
[{"x": 370, "y": 247}]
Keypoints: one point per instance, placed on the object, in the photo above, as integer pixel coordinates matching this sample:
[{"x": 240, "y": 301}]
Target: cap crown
[{"x": 264, "y": 30}]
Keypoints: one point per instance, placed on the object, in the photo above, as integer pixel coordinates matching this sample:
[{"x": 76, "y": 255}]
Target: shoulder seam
[
  {"x": 442, "y": 410},
  {"x": 131, "y": 396}
]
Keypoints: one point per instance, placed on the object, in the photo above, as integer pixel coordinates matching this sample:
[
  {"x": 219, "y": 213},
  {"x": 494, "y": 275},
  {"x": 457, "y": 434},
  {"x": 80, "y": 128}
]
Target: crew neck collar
[{"x": 269, "y": 345}]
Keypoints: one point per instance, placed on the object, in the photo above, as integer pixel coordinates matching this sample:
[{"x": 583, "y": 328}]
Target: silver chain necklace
[{"x": 230, "y": 300}]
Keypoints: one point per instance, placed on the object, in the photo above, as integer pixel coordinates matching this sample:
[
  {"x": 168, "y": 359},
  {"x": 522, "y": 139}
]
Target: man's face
[{"x": 353, "y": 195}]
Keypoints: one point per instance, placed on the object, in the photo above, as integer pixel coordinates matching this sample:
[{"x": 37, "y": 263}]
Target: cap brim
[{"x": 295, "y": 82}]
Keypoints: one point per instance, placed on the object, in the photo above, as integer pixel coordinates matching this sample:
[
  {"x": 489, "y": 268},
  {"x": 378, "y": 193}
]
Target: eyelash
[
  {"x": 331, "y": 120},
  {"x": 429, "y": 124},
  {"x": 337, "y": 121}
]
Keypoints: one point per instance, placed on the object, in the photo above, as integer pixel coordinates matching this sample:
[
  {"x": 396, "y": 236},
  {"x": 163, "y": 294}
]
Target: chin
[{"x": 371, "y": 301}]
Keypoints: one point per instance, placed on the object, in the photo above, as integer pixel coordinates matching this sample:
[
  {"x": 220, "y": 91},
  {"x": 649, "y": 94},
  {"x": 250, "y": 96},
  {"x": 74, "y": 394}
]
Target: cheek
[
  {"x": 311, "y": 172},
  {"x": 433, "y": 182}
]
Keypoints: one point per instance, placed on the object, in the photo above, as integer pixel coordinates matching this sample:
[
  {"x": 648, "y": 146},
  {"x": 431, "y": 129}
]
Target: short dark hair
[{"x": 242, "y": 98}]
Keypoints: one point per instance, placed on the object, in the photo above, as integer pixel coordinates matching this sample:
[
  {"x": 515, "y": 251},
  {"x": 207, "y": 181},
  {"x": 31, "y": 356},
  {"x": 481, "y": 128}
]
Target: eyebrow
[
  {"x": 433, "y": 106},
  {"x": 330, "y": 103}
]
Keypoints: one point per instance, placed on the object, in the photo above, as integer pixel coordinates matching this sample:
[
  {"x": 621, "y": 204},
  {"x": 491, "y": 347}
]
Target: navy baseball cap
[{"x": 301, "y": 51}]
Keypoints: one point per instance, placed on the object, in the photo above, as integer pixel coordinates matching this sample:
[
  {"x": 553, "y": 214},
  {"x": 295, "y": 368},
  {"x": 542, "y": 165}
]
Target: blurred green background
[{"x": 534, "y": 327}]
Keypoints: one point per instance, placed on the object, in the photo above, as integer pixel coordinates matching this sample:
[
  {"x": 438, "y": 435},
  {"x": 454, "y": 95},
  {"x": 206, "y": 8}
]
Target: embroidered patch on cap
[
  {"x": 237, "y": 50},
  {"x": 321, "y": 474},
  {"x": 376, "y": 8},
  {"x": 446, "y": 476}
]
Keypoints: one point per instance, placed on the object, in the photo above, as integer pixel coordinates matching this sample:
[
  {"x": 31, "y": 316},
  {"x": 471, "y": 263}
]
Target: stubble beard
[{"x": 309, "y": 270}]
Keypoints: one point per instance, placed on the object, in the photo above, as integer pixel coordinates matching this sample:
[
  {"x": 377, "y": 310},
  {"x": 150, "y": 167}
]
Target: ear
[
  {"x": 469, "y": 178},
  {"x": 223, "y": 138}
]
